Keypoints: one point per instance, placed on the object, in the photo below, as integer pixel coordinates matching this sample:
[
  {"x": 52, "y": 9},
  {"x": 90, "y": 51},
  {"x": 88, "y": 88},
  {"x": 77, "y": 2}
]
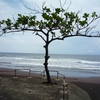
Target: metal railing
[
  {"x": 16, "y": 70},
  {"x": 57, "y": 73},
  {"x": 29, "y": 72}
]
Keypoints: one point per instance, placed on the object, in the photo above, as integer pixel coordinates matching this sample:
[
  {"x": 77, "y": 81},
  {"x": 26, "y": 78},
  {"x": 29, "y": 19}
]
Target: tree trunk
[{"x": 46, "y": 64}]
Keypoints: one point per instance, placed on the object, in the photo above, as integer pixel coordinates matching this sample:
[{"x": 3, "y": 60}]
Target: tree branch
[
  {"x": 41, "y": 37},
  {"x": 79, "y": 35},
  {"x": 35, "y": 30},
  {"x": 86, "y": 27},
  {"x": 34, "y": 10}
]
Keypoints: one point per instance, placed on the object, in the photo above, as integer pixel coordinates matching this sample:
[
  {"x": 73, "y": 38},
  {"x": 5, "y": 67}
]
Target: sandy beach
[{"x": 90, "y": 84}]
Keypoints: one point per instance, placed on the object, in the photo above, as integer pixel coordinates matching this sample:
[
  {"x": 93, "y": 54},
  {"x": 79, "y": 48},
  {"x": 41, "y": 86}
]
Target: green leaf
[
  {"x": 23, "y": 20},
  {"x": 8, "y": 23},
  {"x": 85, "y": 15},
  {"x": 33, "y": 17},
  {"x": 63, "y": 31},
  {"x": 4, "y": 30},
  {"x": 16, "y": 25},
  {"x": 3, "y": 21},
  {"x": 53, "y": 34},
  {"x": 94, "y": 14},
  {"x": 82, "y": 23},
  {"x": 19, "y": 15},
  {"x": 57, "y": 10},
  {"x": 54, "y": 15},
  {"x": 45, "y": 16},
  {"x": 50, "y": 23},
  {"x": 32, "y": 23},
  {"x": 48, "y": 10}
]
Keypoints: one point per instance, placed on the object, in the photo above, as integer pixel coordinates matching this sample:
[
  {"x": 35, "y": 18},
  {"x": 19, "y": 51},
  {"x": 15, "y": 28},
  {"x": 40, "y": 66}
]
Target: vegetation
[{"x": 55, "y": 24}]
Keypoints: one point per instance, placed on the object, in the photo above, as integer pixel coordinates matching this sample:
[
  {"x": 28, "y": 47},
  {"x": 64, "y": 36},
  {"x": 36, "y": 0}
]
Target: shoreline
[
  {"x": 11, "y": 72},
  {"x": 21, "y": 73}
]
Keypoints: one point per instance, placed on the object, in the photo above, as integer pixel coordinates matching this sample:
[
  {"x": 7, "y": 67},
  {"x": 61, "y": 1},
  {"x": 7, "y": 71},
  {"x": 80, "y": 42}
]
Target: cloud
[
  {"x": 76, "y": 45},
  {"x": 12, "y": 8},
  {"x": 19, "y": 42}
]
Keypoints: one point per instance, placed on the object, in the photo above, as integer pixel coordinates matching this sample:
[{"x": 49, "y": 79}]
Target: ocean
[{"x": 67, "y": 64}]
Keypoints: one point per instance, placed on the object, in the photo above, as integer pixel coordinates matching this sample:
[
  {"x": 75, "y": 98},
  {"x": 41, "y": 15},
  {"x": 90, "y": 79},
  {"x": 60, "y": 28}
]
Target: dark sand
[
  {"x": 93, "y": 89},
  {"x": 91, "y": 85}
]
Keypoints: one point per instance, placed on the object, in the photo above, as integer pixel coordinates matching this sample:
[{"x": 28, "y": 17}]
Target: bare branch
[
  {"x": 87, "y": 28},
  {"x": 79, "y": 34},
  {"x": 69, "y": 6},
  {"x": 62, "y": 5},
  {"x": 64, "y": 2},
  {"x": 38, "y": 7},
  {"x": 13, "y": 17},
  {"x": 43, "y": 4},
  {"x": 34, "y": 10}
]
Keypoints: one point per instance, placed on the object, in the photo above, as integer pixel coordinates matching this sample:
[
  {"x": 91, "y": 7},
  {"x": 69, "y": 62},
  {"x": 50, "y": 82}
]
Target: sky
[{"x": 30, "y": 43}]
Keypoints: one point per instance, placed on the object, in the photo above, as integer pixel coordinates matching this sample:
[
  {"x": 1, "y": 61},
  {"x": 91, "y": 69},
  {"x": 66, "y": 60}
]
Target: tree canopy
[
  {"x": 67, "y": 23},
  {"x": 55, "y": 24}
]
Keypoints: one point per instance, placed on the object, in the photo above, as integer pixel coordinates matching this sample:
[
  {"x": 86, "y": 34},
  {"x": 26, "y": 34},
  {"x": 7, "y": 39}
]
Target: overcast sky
[{"x": 29, "y": 43}]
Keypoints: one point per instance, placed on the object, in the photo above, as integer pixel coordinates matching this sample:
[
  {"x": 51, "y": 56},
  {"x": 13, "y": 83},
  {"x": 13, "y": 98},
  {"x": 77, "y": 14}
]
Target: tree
[{"x": 55, "y": 24}]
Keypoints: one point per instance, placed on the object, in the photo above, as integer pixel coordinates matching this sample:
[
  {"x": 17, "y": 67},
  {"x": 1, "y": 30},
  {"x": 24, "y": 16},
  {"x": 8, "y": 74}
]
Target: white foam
[{"x": 53, "y": 62}]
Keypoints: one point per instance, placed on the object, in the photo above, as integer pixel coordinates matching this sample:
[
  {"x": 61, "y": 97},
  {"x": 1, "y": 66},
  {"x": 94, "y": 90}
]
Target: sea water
[{"x": 66, "y": 64}]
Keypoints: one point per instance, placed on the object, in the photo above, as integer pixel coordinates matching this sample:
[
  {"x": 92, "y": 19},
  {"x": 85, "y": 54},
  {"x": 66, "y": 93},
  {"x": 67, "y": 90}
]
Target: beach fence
[
  {"x": 28, "y": 73},
  {"x": 53, "y": 71},
  {"x": 18, "y": 72},
  {"x": 6, "y": 72},
  {"x": 22, "y": 72},
  {"x": 42, "y": 73}
]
